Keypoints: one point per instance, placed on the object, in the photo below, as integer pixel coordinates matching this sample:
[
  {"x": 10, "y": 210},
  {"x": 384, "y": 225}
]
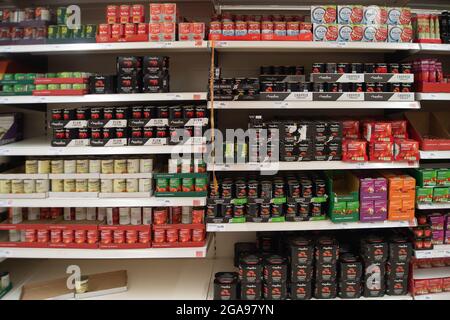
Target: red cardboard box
[
  {"x": 381, "y": 151},
  {"x": 431, "y": 129},
  {"x": 163, "y": 12},
  {"x": 112, "y": 14},
  {"x": 406, "y": 150}
]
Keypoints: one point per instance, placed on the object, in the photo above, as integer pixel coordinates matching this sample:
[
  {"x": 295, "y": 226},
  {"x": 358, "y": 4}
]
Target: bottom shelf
[{"x": 434, "y": 296}]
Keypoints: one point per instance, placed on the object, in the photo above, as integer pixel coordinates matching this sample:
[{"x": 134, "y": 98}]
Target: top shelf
[{"x": 226, "y": 46}]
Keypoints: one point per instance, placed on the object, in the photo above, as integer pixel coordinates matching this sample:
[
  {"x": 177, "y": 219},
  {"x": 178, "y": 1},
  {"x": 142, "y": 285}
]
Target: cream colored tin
[
  {"x": 43, "y": 166},
  {"x": 106, "y": 186},
  {"x": 82, "y": 166},
  {"x": 133, "y": 165},
  {"x": 31, "y": 167},
  {"x": 69, "y": 185},
  {"x": 93, "y": 185},
  {"x": 119, "y": 185},
  {"x": 70, "y": 166},
  {"x": 81, "y": 185},
  {"x": 145, "y": 185},
  {"x": 136, "y": 216},
  {"x": 91, "y": 214},
  {"x": 42, "y": 185},
  {"x": 94, "y": 166},
  {"x": 120, "y": 166},
  {"x": 124, "y": 216},
  {"x": 17, "y": 186},
  {"x": 57, "y": 166},
  {"x": 107, "y": 166},
  {"x": 5, "y": 186},
  {"x": 57, "y": 185},
  {"x": 146, "y": 165},
  {"x": 29, "y": 186},
  {"x": 33, "y": 214},
  {"x": 80, "y": 214},
  {"x": 132, "y": 185}
]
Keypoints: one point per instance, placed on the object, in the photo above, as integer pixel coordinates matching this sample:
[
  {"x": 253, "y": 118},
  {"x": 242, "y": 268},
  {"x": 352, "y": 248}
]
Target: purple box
[
  {"x": 373, "y": 210},
  {"x": 447, "y": 237},
  {"x": 437, "y": 221},
  {"x": 11, "y": 124},
  {"x": 373, "y": 188},
  {"x": 438, "y": 237},
  {"x": 447, "y": 222}
]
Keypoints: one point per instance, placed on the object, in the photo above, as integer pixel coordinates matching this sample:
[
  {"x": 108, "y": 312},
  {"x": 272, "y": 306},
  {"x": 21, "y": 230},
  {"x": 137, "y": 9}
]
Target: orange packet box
[{"x": 409, "y": 183}]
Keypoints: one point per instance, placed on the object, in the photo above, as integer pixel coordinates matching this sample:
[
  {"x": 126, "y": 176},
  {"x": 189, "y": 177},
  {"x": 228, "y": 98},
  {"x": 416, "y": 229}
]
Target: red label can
[
  {"x": 160, "y": 216},
  {"x": 172, "y": 235},
  {"x": 67, "y": 236},
  {"x": 176, "y": 213},
  {"x": 92, "y": 236},
  {"x": 144, "y": 236},
  {"x": 142, "y": 28},
  {"x": 279, "y": 28},
  {"x": 241, "y": 28},
  {"x": 30, "y": 235},
  {"x": 125, "y": 13},
  {"x": 198, "y": 235},
  {"x": 267, "y": 27},
  {"x": 215, "y": 27},
  {"x": 56, "y": 212},
  {"x": 117, "y": 30},
  {"x": 228, "y": 28},
  {"x": 80, "y": 236},
  {"x": 55, "y": 236},
  {"x": 42, "y": 235},
  {"x": 254, "y": 27},
  {"x": 130, "y": 29},
  {"x": 185, "y": 235},
  {"x": 104, "y": 29},
  {"x": 132, "y": 236},
  {"x": 45, "y": 213},
  {"x": 197, "y": 215},
  {"x": 106, "y": 236},
  {"x": 137, "y": 13},
  {"x": 112, "y": 14},
  {"x": 119, "y": 236},
  {"x": 159, "y": 236}
]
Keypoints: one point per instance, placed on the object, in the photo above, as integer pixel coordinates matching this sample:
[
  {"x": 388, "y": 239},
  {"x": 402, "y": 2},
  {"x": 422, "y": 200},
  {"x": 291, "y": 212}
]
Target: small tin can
[
  {"x": 80, "y": 236},
  {"x": 94, "y": 166},
  {"x": 69, "y": 214},
  {"x": 132, "y": 185},
  {"x": 198, "y": 235},
  {"x": 135, "y": 216},
  {"x": 124, "y": 216},
  {"x": 331, "y": 68},
  {"x": 119, "y": 185},
  {"x": 119, "y": 236},
  {"x": 175, "y": 184},
  {"x": 43, "y": 236},
  {"x": 188, "y": 185},
  {"x": 369, "y": 67},
  {"x": 172, "y": 235},
  {"x": 197, "y": 215},
  {"x": 31, "y": 166},
  {"x": 5, "y": 186},
  {"x": 144, "y": 236},
  {"x": 393, "y": 68},
  {"x": 160, "y": 216},
  {"x": 70, "y": 166},
  {"x": 185, "y": 235},
  {"x": 42, "y": 185},
  {"x": 82, "y": 166},
  {"x": 145, "y": 185},
  {"x": 42, "y": 14},
  {"x": 112, "y": 216},
  {"x": 159, "y": 236},
  {"x": 93, "y": 185},
  {"x": 64, "y": 32},
  {"x": 69, "y": 185},
  {"x": 68, "y": 236},
  {"x": 133, "y": 165},
  {"x": 107, "y": 166},
  {"x": 30, "y": 235},
  {"x": 57, "y": 166},
  {"x": 343, "y": 67},
  {"x": 175, "y": 215},
  {"x": 106, "y": 186},
  {"x": 80, "y": 214},
  {"x": 120, "y": 166},
  {"x": 92, "y": 236},
  {"x": 57, "y": 185},
  {"x": 357, "y": 68},
  {"x": 395, "y": 87},
  {"x": 145, "y": 165},
  {"x": 29, "y": 186},
  {"x": 17, "y": 186},
  {"x": 106, "y": 236},
  {"x": 131, "y": 236},
  {"x": 55, "y": 236},
  {"x": 81, "y": 185},
  {"x": 91, "y": 214}
]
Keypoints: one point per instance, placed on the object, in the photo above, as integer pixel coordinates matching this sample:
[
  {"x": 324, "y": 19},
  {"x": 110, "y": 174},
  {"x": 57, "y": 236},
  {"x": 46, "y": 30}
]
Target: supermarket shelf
[
  {"x": 304, "y": 225},
  {"x": 119, "y": 47},
  {"x": 104, "y": 202},
  {"x": 423, "y": 96},
  {"x": 310, "y": 46},
  {"x": 431, "y": 273},
  {"x": 435, "y": 154},
  {"x": 360, "y": 105},
  {"x": 41, "y": 146},
  {"x": 439, "y": 251},
  {"x": 433, "y": 206},
  {"x": 2, "y": 259},
  {"x": 435, "y": 48},
  {"x": 99, "y": 98},
  {"x": 434, "y": 296},
  {"x": 151, "y": 253},
  {"x": 150, "y": 279},
  {"x": 310, "y": 165}
]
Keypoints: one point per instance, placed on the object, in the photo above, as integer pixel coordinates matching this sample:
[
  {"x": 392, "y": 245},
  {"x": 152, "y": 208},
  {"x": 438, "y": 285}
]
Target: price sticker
[
  {"x": 215, "y": 227},
  {"x": 447, "y": 253},
  {"x": 5, "y": 253},
  {"x": 342, "y": 44}
]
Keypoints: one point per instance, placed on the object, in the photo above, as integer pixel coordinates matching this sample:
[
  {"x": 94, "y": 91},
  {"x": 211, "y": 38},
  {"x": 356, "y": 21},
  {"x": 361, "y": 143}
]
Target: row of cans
[
  {"x": 88, "y": 31},
  {"x": 136, "y": 112},
  {"x": 182, "y": 235},
  {"x": 178, "y": 215},
  {"x": 26, "y": 14},
  {"x": 361, "y": 87},
  {"x": 243, "y": 28},
  {"x": 344, "y": 67},
  {"x": 118, "y": 185},
  {"x": 22, "y": 33},
  {"x": 62, "y": 86},
  {"x": 176, "y": 184},
  {"x": 282, "y": 70}
]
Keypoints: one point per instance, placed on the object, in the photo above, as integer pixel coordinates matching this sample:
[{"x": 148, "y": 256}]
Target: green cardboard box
[
  {"x": 440, "y": 194},
  {"x": 425, "y": 177},
  {"x": 424, "y": 195},
  {"x": 443, "y": 177}
]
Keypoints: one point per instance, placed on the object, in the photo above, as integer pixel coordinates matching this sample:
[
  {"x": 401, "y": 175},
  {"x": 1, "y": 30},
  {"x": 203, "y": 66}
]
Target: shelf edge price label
[
  {"x": 447, "y": 253},
  {"x": 215, "y": 227},
  {"x": 5, "y": 253}
]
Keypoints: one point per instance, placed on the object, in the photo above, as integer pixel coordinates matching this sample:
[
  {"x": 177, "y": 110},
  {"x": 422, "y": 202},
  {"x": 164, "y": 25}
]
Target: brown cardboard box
[{"x": 431, "y": 129}]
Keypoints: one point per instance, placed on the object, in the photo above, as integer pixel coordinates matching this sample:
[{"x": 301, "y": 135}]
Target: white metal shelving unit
[
  {"x": 41, "y": 146},
  {"x": 424, "y": 96},
  {"x": 304, "y": 225},
  {"x": 104, "y": 202},
  {"x": 339, "y": 105},
  {"x": 433, "y": 206},
  {"x": 434, "y": 296},
  {"x": 99, "y": 98},
  {"x": 430, "y": 155},
  {"x": 439, "y": 251},
  {"x": 310, "y": 165}
]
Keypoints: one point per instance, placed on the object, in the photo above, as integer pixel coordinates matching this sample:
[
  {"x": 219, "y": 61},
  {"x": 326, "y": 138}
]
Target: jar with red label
[
  {"x": 132, "y": 236},
  {"x": 228, "y": 28},
  {"x": 55, "y": 236},
  {"x": 160, "y": 216},
  {"x": 80, "y": 236},
  {"x": 279, "y": 28},
  {"x": 159, "y": 236},
  {"x": 185, "y": 235},
  {"x": 144, "y": 236},
  {"x": 198, "y": 235},
  {"x": 119, "y": 236},
  {"x": 92, "y": 236},
  {"x": 172, "y": 235},
  {"x": 42, "y": 236},
  {"x": 162, "y": 112},
  {"x": 215, "y": 27},
  {"x": 267, "y": 27},
  {"x": 197, "y": 215},
  {"x": 106, "y": 236},
  {"x": 67, "y": 236},
  {"x": 241, "y": 28}
]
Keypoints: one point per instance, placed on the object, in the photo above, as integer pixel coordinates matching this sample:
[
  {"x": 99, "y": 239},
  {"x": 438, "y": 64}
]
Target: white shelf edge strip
[
  {"x": 286, "y": 104},
  {"x": 304, "y": 225},
  {"x": 104, "y": 202},
  {"x": 435, "y": 154},
  {"x": 434, "y": 296},
  {"x": 439, "y": 251},
  {"x": 433, "y": 206}
]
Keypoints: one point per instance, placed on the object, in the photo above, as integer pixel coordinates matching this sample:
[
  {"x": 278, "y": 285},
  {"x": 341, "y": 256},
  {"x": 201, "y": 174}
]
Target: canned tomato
[
  {"x": 357, "y": 87},
  {"x": 172, "y": 235},
  {"x": 197, "y": 215},
  {"x": 395, "y": 87},
  {"x": 175, "y": 185},
  {"x": 406, "y": 87},
  {"x": 92, "y": 236},
  {"x": 160, "y": 216},
  {"x": 29, "y": 186},
  {"x": 200, "y": 184},
  {"x": 57, "y": 166},
  {"x": 198, "y": 235},
  {"x": 17, "y": 186},
  {"x": 144, "y": 236},
  {"x": 119, "y": 185},
  {"x": 175, "y": 112},
  {"x": 132, "y": 185},
  {"x": 119, "y": 236},
  {"x": 381, "y": 68},
  {"x": 147, "y": 112},
  {"x": 106, "y": 236},
  {"x": 175, "y": 215},
  {"x": 131, "y": 236},
  {"x": 82, "y": 166},
  {"x": 107, "y": 166},
  {"x": 55, "y": 213},
  {"x": 106, "y": 185},
  {"x": 162, "y": 185},
  {"x": 162, "y": 112},
  {"x": 238, "y": 210},
  {"x": 279, "y": 28},
  {"x": 30, "y": 235},
  {"x": 81, "y": 185},
  {"x": 145, "y": 185},
  {"x": 44, "y": 213},
  {"x": 265, "y": 210},
  {"x": 17, "y": 33},
  {"x": 55, "y": 236},
  {"x": 161, "y": 132},
  {"x": 120, "y": 166},
  {"x": 267, "y": 27},
  {"x": 57, "y": 185},
  {"x": 343, "y": 67},
  {"x": 381, "y": 87},
  {"x": 147, "y": 132},
  {"x": 188, "y": 185},
  {"x": 406, "y": 68},
  {"x": 393, "y": 68},
  {"x": 67, "y": 236},
  {"x": 69, "y": 185},
  {"x": 185, "y": 235},
  {"x": 42, "y": 236},
  {"x": 331, "y": 68},
  {"x": 159, "y": 236},
  {"x": 370, "y": 87}
]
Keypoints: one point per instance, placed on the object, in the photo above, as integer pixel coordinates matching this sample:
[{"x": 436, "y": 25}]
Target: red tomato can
[
  {"x": 42, "y": 236},
  {"x": 30, "y": 235},
  {"x": 117, "y": 30},
  {"x": 119, "y": 236},
  {"x": 159, "y": 236},
  {"x": 56, "y": 212},
  {"x": 112, "y": 14},
  {"x": 197, "y": 215},
  {"x": 106, "y": 236},
  {"x": 125, "y": 13},
  {"x": 45, "y": 213},
  {"x": 55, "y": 236},
  {"x": 198, "y": 235},
  {"x": 142, "y": 28},
  {"x": 172, "y": 235},
  {"x": 130, "y": 29},
  {"x": 185, "y": 235},
  {"x": 175, "y": 215},
  {"x": 80, "y": 236},
  {"x": 132, "y": 236},
  {"x": 144, "y": 237},
  {"x": 92, "y": 236},
  {"x": 67, "y": 236},
  {"x": 160, "y": 216}
]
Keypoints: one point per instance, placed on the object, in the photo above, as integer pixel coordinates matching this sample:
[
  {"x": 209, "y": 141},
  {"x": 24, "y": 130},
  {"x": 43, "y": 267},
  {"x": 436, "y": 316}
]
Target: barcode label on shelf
[
  {"x": 215, "y": 227},
  {"x": 5, "y": 253}
]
